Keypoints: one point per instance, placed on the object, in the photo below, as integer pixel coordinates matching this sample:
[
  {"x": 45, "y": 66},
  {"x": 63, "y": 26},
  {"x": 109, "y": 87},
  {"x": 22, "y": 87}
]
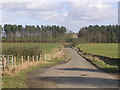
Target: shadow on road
[
  {"x": 79, "y": 69},
  {"x": 81, "y": 81}
]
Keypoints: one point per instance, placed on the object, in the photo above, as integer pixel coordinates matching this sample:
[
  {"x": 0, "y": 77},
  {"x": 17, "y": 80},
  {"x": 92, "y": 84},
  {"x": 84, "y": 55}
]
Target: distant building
[{"x": 75, "y": 35}]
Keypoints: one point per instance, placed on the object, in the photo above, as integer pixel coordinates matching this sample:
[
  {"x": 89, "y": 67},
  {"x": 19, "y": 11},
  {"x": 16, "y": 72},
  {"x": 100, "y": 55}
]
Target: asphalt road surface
[{"x": 77, "y": 73}]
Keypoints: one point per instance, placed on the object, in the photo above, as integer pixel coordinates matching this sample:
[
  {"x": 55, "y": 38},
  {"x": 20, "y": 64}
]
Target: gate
[{"x": 6, "y": 61}]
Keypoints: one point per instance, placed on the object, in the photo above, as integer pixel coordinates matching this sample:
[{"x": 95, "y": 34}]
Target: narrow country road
[{"x": 77, "y": 73}]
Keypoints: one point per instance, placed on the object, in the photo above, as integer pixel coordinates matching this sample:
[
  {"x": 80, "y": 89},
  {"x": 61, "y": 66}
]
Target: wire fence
[{"x": 10, "y": 62}]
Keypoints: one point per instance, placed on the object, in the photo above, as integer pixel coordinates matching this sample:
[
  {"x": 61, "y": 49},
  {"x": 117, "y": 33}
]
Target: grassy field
[
  {"x": 108, "y": 50},
  {"x": 45, "y": 47}
]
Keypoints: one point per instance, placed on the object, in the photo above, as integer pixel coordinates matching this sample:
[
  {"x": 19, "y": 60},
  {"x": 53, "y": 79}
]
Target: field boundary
[
  {"x": 103, "y": 58},
  {"x": 109, "y": 50},
  {"x": 101, "y": 62},
  {"x": 10, "y": 81},
  {"x": 26, "y": 62}
]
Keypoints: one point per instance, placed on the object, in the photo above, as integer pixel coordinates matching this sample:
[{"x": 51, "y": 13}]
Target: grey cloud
[{"x": 72, "y": 14}]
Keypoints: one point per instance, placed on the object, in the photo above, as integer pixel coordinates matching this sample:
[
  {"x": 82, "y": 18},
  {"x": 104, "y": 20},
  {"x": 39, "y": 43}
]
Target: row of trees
[
  {"x": 43, "y": 34},
  {"x": 36, "y": 34},
  {"x": 100, "y": 34}
]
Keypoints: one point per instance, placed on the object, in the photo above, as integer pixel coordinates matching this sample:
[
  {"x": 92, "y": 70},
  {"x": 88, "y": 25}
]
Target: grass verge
[
  {"x": 19, "y": 80},
  {"x": 102, "y": 65}
]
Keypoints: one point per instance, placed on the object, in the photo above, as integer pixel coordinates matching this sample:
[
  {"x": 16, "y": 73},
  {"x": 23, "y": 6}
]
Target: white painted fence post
[
  {"x": 22, "y": 59},
  {"x": 37, "y": 58},
  {"x": 28, "y": 58},
  {"x": 4, "y": 63},
  {"x": 33, "y": 58},
  {"x": 45, "y": 57},
  {"x": 14, "y": 61},
  {"x": 40, "y": 57}
]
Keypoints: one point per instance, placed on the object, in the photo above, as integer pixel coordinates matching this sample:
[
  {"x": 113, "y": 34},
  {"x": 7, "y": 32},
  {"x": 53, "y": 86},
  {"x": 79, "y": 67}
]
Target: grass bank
[
  {"x": 19, "y": 80},
  {"x": 102, "y": 65},
  {"x": 103, "y": 49},
  {"x": 103, "y": 56}
]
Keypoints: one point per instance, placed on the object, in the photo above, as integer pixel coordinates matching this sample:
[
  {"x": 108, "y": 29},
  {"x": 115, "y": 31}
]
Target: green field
[
  {"x": 45, "y": 47},
  {"x": 108, "y": 50}
]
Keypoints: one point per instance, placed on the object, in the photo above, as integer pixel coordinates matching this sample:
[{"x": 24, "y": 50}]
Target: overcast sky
[{"x": 73, "y": 14}]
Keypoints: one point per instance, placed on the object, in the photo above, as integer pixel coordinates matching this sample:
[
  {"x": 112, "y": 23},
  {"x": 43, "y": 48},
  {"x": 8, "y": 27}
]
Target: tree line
[
  {"x": 54, "y": 34},
  {"x": 34, "y": 34},
  {"x": 100, "y": 34}
]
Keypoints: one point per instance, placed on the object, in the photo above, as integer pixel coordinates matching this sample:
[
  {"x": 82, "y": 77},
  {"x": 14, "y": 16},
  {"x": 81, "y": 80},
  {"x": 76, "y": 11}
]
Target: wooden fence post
[
  {"x": 54, "y": 54},
  {"x": 45, "y": 56},
  {"x": 33, "y": 58},
  {"x": 7, "y": 59},
  {"x": 28, "y": 58},
  {"x": 48, "y": 55},
  {"x": 14, "y": 61},
  {"x": 37, "y": 58},
  {"x": 40, "y": 57},
  {"x": 22, "y": 59},
  {"x": 4, "y": 63}
]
